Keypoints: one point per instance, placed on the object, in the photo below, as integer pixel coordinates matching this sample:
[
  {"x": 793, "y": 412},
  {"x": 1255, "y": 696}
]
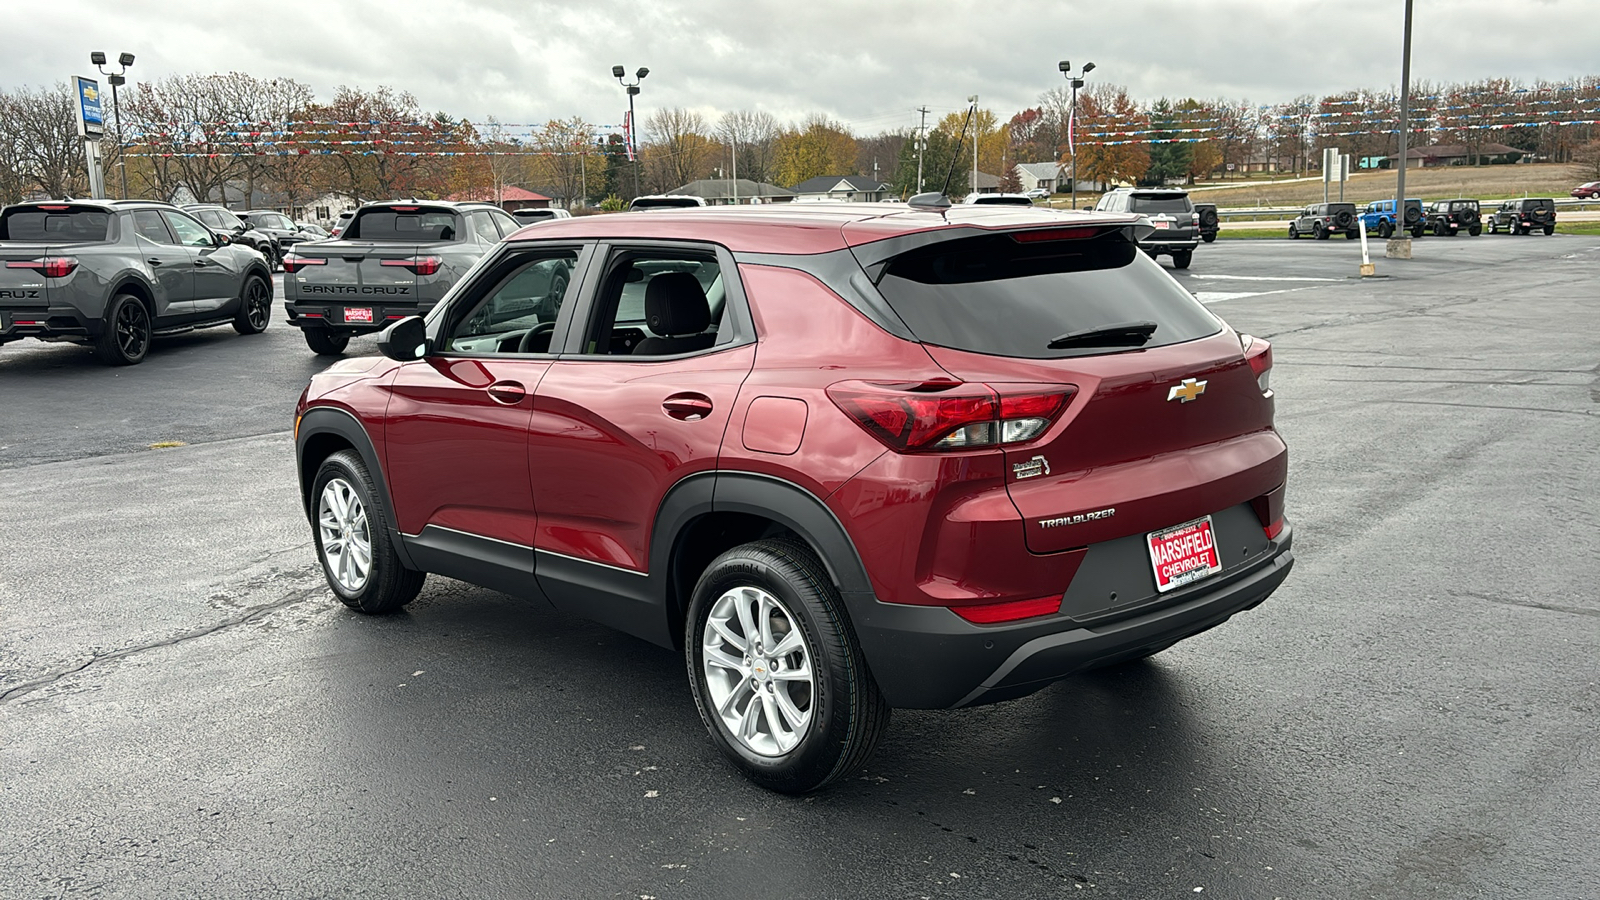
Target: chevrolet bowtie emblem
[{"x": 1187, "y": 390}]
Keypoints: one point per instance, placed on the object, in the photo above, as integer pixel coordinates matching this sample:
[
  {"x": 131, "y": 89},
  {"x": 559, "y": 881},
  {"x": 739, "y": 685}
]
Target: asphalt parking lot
[{"x": 186, "y": 711}]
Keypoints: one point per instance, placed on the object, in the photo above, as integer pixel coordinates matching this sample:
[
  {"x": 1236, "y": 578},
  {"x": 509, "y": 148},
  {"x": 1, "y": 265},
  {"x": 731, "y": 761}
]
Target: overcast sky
[{"x": 868, "y": 64}]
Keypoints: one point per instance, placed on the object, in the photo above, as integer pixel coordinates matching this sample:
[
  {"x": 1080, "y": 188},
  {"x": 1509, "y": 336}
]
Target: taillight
[
  {"x": 940, "y": 416},
  {"x": 49, "y": 266},
  {"x": 1009, "y": 611},
  {"x": 293, "y": 262},
  {"x": 1273, "y": 530},
  {"x": 1053, "y": 234},
  {"x": 1258, "y": 353},
  {"x": 422, "y": 265},
  {"x": 55, "y": 208}
]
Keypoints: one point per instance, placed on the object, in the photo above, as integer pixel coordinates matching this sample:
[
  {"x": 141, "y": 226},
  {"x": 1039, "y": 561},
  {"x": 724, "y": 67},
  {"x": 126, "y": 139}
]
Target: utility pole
[
  {"x": 735, "y": 154},
  {"x": 922, "y": 144},
  {"x": 974, "y": 101},
  {"x": 1405, "y": 126}
]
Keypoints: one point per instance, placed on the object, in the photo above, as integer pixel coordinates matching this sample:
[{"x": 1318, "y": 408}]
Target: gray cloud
[{"x": 868, "y": 64}]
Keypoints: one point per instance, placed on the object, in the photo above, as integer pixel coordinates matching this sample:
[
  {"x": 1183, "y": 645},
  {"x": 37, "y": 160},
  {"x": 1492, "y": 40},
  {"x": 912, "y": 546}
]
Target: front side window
[
  {"x": 484, "y": 226},
  {"x": 189, "y": 232},
  {"x": 659, "y": 304},
  {"x": 519, "y": 313}
]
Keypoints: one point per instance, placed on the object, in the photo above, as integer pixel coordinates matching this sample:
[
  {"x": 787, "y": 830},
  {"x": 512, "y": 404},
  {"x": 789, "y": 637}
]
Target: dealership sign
[{"x": 91, "y": 119}]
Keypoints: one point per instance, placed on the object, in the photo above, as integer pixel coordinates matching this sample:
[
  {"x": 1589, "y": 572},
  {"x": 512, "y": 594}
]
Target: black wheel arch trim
[{"x": 343, "y": 423}]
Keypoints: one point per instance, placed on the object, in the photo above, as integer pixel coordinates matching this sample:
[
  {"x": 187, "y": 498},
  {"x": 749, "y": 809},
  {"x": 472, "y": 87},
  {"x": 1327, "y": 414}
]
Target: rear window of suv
[
  {"x": 64, "y": 225},
  {"x": 1159, "y": 203},
  {"x": 1000, "y": 296},
  {"x": 404, "y": 224}
]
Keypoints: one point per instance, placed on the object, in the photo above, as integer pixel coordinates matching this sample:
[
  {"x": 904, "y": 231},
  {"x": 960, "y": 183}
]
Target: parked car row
[{"x": 1443, "y": 218}]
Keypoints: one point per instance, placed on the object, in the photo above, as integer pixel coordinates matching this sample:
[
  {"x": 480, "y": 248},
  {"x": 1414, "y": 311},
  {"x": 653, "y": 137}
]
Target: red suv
[{"x": 846, "y": 457}]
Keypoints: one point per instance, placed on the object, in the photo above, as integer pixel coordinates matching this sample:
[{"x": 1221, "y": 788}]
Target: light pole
[
  {"x": 117, "y": 80},
  {"x": 633, "y": 120},
  {"x": 1072, "y": 118},
  {"x": 974, "y": 101}
]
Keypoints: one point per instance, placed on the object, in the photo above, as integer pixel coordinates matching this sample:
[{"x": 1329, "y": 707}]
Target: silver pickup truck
[
  {"x": 393, "y": 260},
  {"x": 116, "y": 273}
]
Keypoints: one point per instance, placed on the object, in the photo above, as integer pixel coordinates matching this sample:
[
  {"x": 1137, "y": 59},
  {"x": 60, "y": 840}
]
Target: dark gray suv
[
  {"x": 393, "y": 260},
  {"x": 1176, "y": 230},
  {"x": 114, "y": 274}
]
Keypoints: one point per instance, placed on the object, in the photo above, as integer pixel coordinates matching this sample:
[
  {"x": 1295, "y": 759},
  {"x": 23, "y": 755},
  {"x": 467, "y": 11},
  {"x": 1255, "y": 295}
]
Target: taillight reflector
[
  {"x": 938, "y": 416},
  {"x": 1273, "y": 530},
  {"x": 293, "y": 262},
  {"x": 1009, "y": 611},
  {"x": 1053, "y": 234},
  {"x": 49, "y": 266},
  {"x": 422, "y": 265},
  {"x": 1258, "y": 353}
]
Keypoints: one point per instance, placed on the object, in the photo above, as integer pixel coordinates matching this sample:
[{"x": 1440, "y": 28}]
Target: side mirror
[
  {"x": 405, "y": 340},
  {"x": 218, "y": 239}
]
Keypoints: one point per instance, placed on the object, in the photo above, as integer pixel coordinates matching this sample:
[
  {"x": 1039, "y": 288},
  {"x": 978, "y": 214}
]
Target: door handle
[
  {"x": 153, "y": 262},
  {"x": 687, "y": 407},
  {"x": 508, "y": 393},
  {"x": 202, "y": 263}
]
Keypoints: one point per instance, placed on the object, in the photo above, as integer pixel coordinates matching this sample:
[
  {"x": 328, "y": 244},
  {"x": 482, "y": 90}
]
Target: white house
[{"x": 842, "y": 188}]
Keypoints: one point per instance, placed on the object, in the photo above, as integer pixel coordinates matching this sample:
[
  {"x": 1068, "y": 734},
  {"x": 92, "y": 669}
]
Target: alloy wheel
[
  {"x": 346, "y": 535},
  {"x": 758, "y": 671},
  {"x": 133, "y": 330},
  {"x": 257, "y": 304}
]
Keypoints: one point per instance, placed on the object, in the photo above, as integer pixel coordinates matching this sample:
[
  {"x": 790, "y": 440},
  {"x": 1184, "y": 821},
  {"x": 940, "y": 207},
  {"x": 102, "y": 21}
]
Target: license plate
[
  {"x": 1158, "y": 223},
  {"x": 1184, "y": 554},
  {"x": 358, "y": 314}
]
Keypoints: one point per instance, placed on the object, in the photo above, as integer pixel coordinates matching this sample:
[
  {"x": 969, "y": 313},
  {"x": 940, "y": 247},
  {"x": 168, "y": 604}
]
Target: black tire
[
  {"x": 846, "y": 712},
  {"x": 125, "y": 338},
  {"x": 1182, "y": 258},
  {"x": 1525, "y": 229},
  {"x": 1322, "y": 234},
  {"x": 1209, "y": 237},
  {"x": 1438, "y": 229},
  {"x": 1416, "y": 232},
  {"x": 1549, "y": 230},
  {"x": 255, "y": 306},
  {"x": 326, "y": 343},
  {"x": 1494, "y": 226},
  {"x": 1385, "y": 229},
  {"x": 1352, "y": 235},
  {"x": 389, "y": 585},
  {"x": 1475, "y": 230},
  {"x": 1294, "y": 233}
]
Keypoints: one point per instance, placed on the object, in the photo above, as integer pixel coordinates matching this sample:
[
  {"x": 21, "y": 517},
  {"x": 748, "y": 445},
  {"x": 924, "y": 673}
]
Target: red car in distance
[
  {"x": 844, "y": 457},
  {"x": 1589, "y": 190}
]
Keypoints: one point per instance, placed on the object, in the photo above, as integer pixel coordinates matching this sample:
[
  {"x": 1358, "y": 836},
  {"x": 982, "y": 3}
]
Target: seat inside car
[{"x": 675, "y": 307}]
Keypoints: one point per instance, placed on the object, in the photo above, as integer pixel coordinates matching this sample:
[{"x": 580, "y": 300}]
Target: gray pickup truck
[
  {"x": 393, "y": 260},
  {"x": 116, "y": 273}
]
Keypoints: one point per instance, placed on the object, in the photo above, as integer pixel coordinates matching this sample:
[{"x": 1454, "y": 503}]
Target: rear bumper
[
  {"x": 54, "y": 323},
  {"x": 331, "y": 316},
  {"x": 1177, "y": 240},
  {"x": 929, "y": 658}
]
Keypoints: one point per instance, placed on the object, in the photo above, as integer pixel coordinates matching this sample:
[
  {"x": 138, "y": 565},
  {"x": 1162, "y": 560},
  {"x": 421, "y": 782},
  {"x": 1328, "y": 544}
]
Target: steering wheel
[{"x": 527, "y": 338}]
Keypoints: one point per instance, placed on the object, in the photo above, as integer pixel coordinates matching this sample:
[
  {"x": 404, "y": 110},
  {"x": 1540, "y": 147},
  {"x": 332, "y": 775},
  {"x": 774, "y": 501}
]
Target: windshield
[
  {"x": 403, "y": 224},
  {"x": 998, "y": 295},
  {"x": 60, "y": 225},
  {"x": 1159, "y": 203}
]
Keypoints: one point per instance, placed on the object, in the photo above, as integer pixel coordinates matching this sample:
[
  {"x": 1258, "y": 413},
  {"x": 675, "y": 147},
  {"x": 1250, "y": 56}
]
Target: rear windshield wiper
[{"x": 1122, "y": 334}]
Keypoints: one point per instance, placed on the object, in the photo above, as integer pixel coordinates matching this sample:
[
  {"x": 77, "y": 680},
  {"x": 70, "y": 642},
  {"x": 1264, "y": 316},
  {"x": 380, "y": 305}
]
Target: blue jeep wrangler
[{"x": 1379, "y": 217}]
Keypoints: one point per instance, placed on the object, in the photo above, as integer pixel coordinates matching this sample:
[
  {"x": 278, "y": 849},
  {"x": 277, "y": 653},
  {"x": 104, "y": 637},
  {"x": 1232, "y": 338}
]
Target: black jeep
[
  {"x": 1208, "y": 221},
  {"x": 1524, "y": 216},
  {"x": 1446, "y": 217},
  {"x": 1324, "y": 220}
]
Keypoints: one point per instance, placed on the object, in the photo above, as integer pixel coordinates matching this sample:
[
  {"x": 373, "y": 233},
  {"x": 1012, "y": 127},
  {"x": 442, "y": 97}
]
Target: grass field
[{"x": 1482, "y": 182}]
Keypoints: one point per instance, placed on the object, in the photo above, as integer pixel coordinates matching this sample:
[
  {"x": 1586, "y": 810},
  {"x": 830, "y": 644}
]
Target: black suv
[
  {"x": 1324, "y": 220},
  {"x": 225, "y": 221},
  {"x": 283, "y": 231},
  {"x": 1209, "y": 223},
  {"x": 1446, "y": 217},
  {"x": 1176, "y": 224},
  {"x": 1524, "y": 216}
]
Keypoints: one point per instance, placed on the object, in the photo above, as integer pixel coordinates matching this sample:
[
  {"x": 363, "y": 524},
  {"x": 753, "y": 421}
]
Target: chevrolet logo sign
[{"x": 1186, "y": 390}]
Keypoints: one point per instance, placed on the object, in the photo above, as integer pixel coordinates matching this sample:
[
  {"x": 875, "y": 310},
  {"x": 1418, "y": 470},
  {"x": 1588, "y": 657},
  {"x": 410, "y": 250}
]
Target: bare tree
[
  {"x": 568, "y": 158},
  {"x": 39, "y": 140},
  {"x": 752, "y": 135},
  {"x": 678, "y": 150}
]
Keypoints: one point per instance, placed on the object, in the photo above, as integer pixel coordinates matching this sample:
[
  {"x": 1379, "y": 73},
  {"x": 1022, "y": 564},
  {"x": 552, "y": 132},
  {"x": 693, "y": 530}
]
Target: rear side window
[
  {"x": 997, "y": 295},
  {"x": 1159, "y": 203},
  {"x": 60, "y": 226},
  {"x": 404, "y": 224}
]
